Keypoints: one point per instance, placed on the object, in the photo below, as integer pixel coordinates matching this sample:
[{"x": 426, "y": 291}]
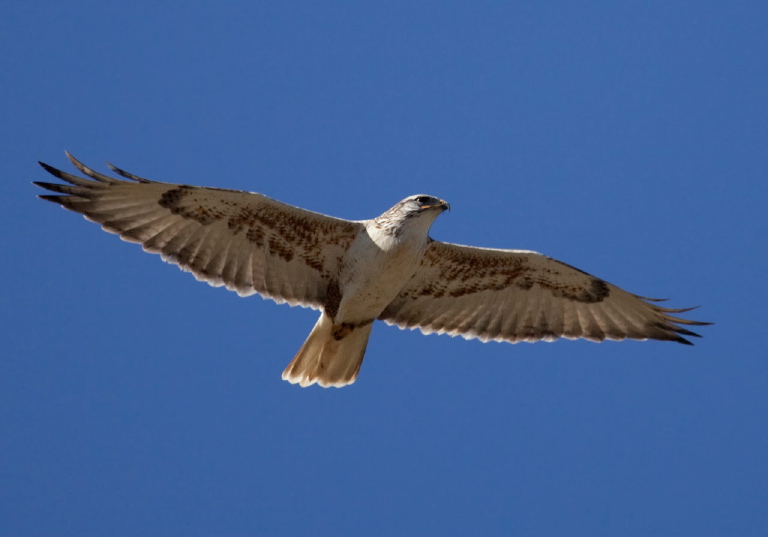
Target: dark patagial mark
[
  {"x": 174, "y": 199},
  {"x": 596, "y": 290},
  {"x": 171, "y": 199},
  {"x": 600, "y": 289}
]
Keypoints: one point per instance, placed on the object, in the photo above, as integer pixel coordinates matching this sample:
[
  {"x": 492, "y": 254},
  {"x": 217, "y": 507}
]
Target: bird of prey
[{"x": 356, "y": 272}]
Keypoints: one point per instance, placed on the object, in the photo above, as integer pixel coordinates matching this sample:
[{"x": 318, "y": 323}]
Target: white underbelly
[{"x": 372, "y": 277}]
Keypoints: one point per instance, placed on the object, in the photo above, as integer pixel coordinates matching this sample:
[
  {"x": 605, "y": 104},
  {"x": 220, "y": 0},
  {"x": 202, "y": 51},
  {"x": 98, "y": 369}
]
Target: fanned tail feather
[{"x": 326, "y": 360}]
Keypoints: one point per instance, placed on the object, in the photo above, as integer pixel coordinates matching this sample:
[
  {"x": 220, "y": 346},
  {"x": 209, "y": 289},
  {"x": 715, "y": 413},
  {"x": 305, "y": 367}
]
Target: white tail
[{"x": 331, "y": 355}]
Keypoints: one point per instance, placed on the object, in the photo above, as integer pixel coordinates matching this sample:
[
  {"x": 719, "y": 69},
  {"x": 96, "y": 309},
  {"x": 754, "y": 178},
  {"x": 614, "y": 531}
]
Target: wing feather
[
  {"x": 518, "y": 295},
  {"x": 243, "y": 281},
  {"x": 231, "y": 267},
  {"x": 180, "y": 229},
  {"x": 242, "y": 240}
]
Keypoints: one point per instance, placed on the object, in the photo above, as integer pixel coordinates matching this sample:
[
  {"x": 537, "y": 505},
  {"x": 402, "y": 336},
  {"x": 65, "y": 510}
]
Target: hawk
[{"x": 355, "y": 272}]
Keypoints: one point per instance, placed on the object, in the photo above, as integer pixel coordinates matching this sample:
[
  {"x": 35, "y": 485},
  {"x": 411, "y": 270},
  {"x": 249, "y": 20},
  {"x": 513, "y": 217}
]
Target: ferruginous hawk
[{"x": 355, "y": 272}]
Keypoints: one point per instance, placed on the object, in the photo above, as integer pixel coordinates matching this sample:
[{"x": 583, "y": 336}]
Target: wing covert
[
  {"x": 518, "y": 295},
  {"x": 244, "y": 241}
]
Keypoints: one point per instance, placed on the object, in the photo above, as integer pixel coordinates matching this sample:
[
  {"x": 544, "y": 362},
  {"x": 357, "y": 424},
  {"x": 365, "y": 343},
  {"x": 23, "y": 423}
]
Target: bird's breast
[{"x": 372, "y": 275}]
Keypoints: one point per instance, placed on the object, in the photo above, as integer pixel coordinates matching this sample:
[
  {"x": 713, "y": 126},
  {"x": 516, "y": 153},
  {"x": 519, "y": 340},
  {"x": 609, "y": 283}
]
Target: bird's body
[
  {"x": 377, "y": 265},
  {"x": 355, "y": 272}
]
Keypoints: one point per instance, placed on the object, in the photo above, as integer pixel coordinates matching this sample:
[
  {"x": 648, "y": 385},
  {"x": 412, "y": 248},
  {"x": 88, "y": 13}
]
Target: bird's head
[
  {"x": 414, "y": 213},
  {"x": 421, "y": 202}
]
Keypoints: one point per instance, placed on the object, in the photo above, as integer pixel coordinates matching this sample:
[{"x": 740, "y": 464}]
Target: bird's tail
[{"x": 331, "y": 355}]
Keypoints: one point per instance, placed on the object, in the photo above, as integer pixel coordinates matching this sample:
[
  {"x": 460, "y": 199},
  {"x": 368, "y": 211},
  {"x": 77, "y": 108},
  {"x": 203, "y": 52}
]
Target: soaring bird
[{"x": 356, "y": 272}]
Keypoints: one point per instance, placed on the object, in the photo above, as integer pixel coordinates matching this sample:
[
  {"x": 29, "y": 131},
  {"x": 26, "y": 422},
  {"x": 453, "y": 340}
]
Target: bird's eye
[{"x": 423, "y": 199}]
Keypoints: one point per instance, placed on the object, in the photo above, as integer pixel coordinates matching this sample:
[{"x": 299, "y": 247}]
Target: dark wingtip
[
  {"x": 44, "y": 185},
  {"x": 50, "y": 169},
  {"x": 677, "y": 335},
  {"x": 672, "y": 332},
  {"x": 687, "y": 332},
  {"x": 127, "y": 175},
  {"x": 54, "y": 187},
  {"x": 51, "y": 198}
]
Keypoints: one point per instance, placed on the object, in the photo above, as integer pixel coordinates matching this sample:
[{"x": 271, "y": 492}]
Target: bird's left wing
[
  {"x": 244, "y": 241},
  {"x": 517, "y": 295}
]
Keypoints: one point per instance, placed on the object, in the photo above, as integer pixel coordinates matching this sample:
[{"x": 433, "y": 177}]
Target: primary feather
[{"x": 386, "y": 268}]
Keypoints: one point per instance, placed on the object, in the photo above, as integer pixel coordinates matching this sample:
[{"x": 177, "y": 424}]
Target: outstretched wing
[
  {"x": 516, "y": 295},
  {"x": 244, "y": 241}
]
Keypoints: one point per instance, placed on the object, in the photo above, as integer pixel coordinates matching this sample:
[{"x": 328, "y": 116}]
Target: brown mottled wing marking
[
  {"x": 244, "y": 241},
  {"x": 515, "y": 295}
]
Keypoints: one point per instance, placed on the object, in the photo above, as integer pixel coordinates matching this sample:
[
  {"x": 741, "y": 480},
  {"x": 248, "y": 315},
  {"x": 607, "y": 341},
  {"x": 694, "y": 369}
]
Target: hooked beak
[{"x": 442, "y": 205}]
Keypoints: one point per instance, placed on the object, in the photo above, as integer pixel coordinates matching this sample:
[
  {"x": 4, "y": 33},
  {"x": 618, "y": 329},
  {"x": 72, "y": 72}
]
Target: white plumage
[{"x": 387, "y": 268}]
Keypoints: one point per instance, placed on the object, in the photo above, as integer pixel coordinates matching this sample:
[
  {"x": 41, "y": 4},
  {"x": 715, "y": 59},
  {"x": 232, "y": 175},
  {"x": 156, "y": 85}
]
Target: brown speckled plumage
[{"x": 386, "y": 268}]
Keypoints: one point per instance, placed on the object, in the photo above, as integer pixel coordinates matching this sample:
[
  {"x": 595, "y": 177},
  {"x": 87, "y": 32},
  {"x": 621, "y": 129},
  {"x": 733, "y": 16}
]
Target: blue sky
[{"x": 628, "y": 139}]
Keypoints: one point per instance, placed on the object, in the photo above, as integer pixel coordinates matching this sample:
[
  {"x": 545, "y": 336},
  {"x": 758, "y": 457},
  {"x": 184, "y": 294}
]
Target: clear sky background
[{"x": 626, "y": 138}]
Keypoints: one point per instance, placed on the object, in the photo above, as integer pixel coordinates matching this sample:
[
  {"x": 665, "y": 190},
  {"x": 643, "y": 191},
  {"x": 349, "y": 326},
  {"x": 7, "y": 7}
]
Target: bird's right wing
[
  {"x": 244, "y": 241},
  {"x": 517, "y": 295}
]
